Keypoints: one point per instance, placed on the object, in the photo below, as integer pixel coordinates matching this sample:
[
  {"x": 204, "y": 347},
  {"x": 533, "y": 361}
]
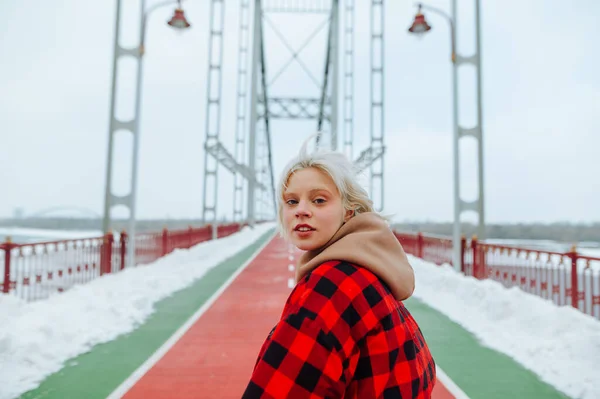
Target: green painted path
[
  {"x": 94, "y": 375},
  {"x": 479, "y": 371}
]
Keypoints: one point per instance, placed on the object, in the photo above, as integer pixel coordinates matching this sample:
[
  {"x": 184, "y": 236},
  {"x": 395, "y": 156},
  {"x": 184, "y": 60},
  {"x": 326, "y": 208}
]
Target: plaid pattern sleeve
[{"x": 343, "y": 334}]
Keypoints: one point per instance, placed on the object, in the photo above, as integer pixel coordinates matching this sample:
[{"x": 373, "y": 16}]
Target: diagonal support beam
[
  {"x": 367, "y": 158},
  {"x": 330, "y": 79},
  {"x": 295, "y": 54},
  {"x": 266, "y": 116},
  {"x": 224, "y": 157}
]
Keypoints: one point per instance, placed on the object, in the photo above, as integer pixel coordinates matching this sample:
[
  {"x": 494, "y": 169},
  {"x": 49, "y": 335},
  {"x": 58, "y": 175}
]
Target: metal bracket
[
  {"x": 469, "y": 205},
  {"x": 120, "y": 199},
  {"x": 474, "y": 132},
  {"x": 132, "y": 51},
  {"x": 128, "y": 125},
  {"x": 466, "y": 60}
]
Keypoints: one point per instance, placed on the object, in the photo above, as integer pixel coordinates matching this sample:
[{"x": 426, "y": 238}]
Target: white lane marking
[{"x": 449, "y": 384}]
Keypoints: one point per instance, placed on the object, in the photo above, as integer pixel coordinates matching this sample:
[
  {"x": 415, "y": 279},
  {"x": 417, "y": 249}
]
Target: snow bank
[{"x": 559, "y": 344}]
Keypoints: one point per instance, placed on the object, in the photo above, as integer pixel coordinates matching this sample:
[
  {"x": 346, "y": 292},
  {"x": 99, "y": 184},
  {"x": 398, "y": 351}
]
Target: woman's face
[{"x": 312, "y": 209}]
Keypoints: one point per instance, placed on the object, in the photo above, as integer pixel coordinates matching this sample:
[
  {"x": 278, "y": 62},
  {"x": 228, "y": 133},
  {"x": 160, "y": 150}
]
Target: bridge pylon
[{"x": 331, "y": 106}]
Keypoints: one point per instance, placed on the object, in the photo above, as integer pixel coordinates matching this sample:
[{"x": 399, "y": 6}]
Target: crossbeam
[
  {"x": 312, "y": 6},
  {"x": 294, "y": 108}
]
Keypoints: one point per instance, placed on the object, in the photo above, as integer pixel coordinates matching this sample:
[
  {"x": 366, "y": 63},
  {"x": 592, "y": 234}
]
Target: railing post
[
  {"x": 190, "y": 236},
  {"x": 476, "y": 261},
  {"x": 574, "y": 280},
  {"x": 7, "y": 246},
  {"x": 123, "y": 243},
  {"x": 420, "y": 245},
  {"x": 106, "y": 254},
  {"x": 463, "y": 247},
  {"x": 103, "y": 254},
  {"x": 215, "y": 230},
  {"x": 165, "y": 241}
]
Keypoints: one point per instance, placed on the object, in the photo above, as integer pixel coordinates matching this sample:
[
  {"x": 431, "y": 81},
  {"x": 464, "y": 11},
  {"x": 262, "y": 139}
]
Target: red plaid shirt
[{"x": 342, "y": 334}]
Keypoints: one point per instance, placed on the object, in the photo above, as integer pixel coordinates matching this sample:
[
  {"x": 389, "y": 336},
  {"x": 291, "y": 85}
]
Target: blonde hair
[{"x": 335, "y": 165}]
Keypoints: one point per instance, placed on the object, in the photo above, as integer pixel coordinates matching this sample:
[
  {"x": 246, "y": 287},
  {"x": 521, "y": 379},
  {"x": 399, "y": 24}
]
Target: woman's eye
[
  {"x": 291, "y": 202},
  {"x": 320, "y": 201}
]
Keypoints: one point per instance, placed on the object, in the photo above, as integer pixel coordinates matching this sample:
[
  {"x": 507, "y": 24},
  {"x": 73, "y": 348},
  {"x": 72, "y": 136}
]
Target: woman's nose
[{"x": 302, "y": 210}]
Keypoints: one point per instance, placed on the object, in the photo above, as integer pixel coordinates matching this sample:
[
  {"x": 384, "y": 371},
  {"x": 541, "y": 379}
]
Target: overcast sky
[{"x": 541, "y": 101}]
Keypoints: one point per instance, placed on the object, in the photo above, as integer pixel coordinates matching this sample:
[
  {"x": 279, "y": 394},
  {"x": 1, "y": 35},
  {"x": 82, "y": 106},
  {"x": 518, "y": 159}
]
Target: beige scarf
[{"x": 365, "y": 240}]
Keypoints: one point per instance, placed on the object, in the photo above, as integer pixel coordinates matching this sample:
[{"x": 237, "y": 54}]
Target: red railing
[
  {"x": 36, "y": 270},
  {"x": 550, "y": 275},
  {"x": 437, "y": 249}
]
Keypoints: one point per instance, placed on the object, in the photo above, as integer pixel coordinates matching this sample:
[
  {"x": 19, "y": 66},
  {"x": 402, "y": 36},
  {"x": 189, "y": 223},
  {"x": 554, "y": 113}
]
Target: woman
[{"x": 343, "y": 332}]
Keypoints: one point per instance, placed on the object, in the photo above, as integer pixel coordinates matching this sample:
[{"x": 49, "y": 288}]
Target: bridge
[{"x": 181, "y": 311}]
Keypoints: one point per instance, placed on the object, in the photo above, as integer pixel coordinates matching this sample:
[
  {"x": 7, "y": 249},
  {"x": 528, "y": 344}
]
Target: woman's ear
[{"x": 348, "y": 215}]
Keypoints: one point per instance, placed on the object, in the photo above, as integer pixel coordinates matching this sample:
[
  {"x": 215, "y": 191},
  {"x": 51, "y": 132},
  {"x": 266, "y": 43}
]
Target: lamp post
[
  {"x": 419, "y": 27},
  {"x": 177, "y": 21}
]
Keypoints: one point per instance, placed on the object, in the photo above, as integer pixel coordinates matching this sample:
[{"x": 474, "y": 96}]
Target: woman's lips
[
  {"x": 303, "y": 230},
  {"x": 304, "y": 234}
]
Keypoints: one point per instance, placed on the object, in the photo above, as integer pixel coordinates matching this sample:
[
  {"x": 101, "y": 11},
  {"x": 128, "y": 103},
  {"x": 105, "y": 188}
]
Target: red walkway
[{"x": 215, "y": 357}]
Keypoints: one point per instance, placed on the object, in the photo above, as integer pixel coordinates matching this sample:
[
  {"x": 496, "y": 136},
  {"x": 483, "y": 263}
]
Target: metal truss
[
  {"x": 266, "y": 119},
  {"x": 377, "y": 97},
  {"x": 348, "y": 84},
  {"x": 325, "y": 106},
  {"x": 215, "y": 152},
  {"x": 258, "y": 93},
  {"x": 213, "y": 113},
  {"x": 294, "y": 108},
  {"x": 297, "y": 6},
  {"x": 241, "y": 127},
  {"x": 264, "y": 201},
  {"x": 330, "y": 81}
]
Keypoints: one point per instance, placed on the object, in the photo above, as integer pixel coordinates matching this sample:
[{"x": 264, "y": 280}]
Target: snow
[
  {"x": 593, "y": 252},
  {"x": 532, "y": 259},
  {"x": 37, "y": 338},
  {"x": 23, "y": 234},
  {"x": 559, "y": 344},
  {"x": 583, "y": 247}
]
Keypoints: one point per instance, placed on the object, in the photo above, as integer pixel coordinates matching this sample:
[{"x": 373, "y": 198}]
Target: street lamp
[
  {"x": 420, "y": 27},
  {"x": 177, "y": 21}
]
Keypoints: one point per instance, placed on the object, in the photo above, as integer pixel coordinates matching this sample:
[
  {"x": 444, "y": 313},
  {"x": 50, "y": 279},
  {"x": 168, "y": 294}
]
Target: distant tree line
[{"x": 560, "y": 231}]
